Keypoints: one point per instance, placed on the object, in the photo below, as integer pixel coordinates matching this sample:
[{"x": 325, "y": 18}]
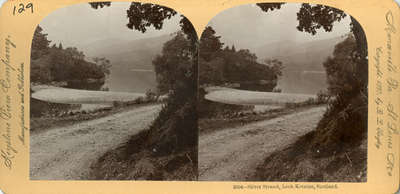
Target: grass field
[
  {"x": 74, "y": 96},
  {"x": 245, "y": 97}
]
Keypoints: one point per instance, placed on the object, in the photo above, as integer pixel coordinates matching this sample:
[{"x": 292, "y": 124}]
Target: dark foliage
[
  {"x": 346, "y": 118},
  {"x": 345, "y": 121},
  {"x": 342, "y": 69},
  {"x": 56, "y": 64},
  {"x": 219, "y": 66},
  {"x": 313, "y": 17},
  {"x": 143, "y": 15},
  {"x": 269, "y": 6},
  {"x": 175, "y": 128},
  {"x": 40, "y": 43},
  {"x": 210, "y": 44},
  {"x": 97, "y": 5},
  {"x": 174, "y": 64}
]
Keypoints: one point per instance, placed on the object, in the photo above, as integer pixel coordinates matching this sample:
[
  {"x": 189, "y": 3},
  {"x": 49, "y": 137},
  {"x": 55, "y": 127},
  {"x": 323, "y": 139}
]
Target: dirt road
[
  {"x": 232, "y": 154},
  {"x": 67, "y": 152}
]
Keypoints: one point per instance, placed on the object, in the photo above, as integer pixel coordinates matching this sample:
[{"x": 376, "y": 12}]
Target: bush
[
  {"x": 118, "y": 104},
  {"x": 277, "y": 90},
  {"x": 175, "y": 128},
  {"x": 150, "y": 96},
  {"x": 346, "y": 118},
  {"x": 343, "y": 122},
  {"x": 323, "y": 97}
]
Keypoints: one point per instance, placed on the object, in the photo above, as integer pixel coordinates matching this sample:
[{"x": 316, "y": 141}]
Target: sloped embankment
[
  {"x": 335, "y": 151},
  {"x": 301, "y": 162},
  {"x": 166, "y": 151}
]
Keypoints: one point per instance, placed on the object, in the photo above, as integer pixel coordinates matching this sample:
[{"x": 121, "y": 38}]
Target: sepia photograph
[
  {"x": 189, "y": 96},
  {"x": 269, "y": 92},
  {"x": 283, "y": 95},
  {"x": 113, "y": 94}
]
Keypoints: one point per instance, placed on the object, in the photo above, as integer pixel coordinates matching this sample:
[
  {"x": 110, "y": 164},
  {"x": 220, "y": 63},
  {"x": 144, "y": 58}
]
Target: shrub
[
  {"x": 139, "y": 100},
  {"x": 175, "y": 128},
  {"x": 118, "y": 104},
  {"x": 150, "y": 96},
  {"x": 345, "y": 120},
  {"x": 323, "y": 97},
  {"x": 277, "y": 90}
]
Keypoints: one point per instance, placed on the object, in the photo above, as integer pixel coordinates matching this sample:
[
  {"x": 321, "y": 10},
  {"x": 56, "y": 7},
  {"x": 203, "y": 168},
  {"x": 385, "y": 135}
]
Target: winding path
[
  {"x": 66, "y": 153},
  {"x": 232, "y": 154}
]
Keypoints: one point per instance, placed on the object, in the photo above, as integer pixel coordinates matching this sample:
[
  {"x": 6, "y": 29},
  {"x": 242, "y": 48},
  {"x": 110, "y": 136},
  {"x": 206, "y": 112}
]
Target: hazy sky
[
  {"x": 247, "y": 26},
  {"x": 79, "y": 25}
]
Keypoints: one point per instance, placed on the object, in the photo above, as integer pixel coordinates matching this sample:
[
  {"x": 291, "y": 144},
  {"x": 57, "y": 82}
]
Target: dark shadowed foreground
[{"x": 302, "y": 162}]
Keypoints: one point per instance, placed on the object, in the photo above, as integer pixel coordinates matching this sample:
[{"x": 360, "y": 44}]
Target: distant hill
[
  {"x": 304, "y": 71},
  {"x": 132, "y": 62},
  {"x": 131, "y": 54},
  {"x": 132, "y": 69},
  {"x": 305, "y": 56}
]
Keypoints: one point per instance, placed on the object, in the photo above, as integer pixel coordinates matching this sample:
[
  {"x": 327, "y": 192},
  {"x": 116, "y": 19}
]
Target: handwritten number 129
[{"x": 21, "y": 8}]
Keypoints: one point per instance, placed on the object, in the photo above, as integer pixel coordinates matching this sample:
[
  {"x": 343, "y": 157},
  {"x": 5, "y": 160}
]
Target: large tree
[
  {"x": 40, "y": 43},
  {"x": 210, "y": 44},
  {"x": 174, "y": 64},
  {"x": 345, "y": 120},
  {"x": 175, "y": 129}
]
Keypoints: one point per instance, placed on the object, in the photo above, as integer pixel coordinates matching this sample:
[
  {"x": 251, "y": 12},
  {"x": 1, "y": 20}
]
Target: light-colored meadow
[
  {"x": 75, "y": 96},
  {"x": 245, "y": 97}
]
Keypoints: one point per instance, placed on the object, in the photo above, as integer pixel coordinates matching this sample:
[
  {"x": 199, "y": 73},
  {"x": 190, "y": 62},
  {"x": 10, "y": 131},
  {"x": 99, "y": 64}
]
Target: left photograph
[{"x": 113, "y": 94}]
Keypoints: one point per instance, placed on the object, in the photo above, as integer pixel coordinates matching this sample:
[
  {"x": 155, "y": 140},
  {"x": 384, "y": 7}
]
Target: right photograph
[{"x": 283, "y": 95}]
